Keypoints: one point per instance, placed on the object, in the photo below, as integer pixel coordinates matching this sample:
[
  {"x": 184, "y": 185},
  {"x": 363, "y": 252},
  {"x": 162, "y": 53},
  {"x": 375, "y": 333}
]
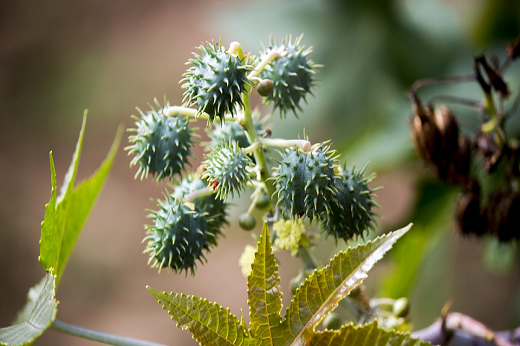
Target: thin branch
[
  {"x": 94, "y": 335},
  {"x": 435, "y": 81},
  {"x": 457, "y": 100},
  {"x": 456, "y": 329}
]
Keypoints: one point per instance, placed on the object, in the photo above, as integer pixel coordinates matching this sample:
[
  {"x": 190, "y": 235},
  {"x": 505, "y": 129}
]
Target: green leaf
[
  {"x": 48, "y": 253},
  {"x": 209, "y": 323},
  {"x": 37, "y": 315},
  {"x": 369, "y": 334},
  {"x": 431, "y": 216},
  {"x": 321, "y": 292},
  {"x": 66, "y": 214},
  {"x": 264, "y": 293}
]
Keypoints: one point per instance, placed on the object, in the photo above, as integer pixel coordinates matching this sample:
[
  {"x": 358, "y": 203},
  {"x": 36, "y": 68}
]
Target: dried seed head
[
  {"x": 513, "y": 49},
  {"x": 468, "y": 213},
  {"x": 503, "y": 213},
  {"x": 488, "y": 147},
  {"x": 425, "y": 134},
  {"x": 439, "y": 143}
]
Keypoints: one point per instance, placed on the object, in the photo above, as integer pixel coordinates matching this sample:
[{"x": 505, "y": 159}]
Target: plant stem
[
  {"x": 248, "y": 117},
  {"x": 258, "y": 152},
  {"x": 493, "y": 123},
  {"x": 205, "y": 191},
  {"x": 252, "y": 148},
  {"x": 457, "y": 329},
  {"x": 308, "y": 258},
  {"x": 189, "y": 112},
  {"x": 282, "y": 143},
  {"x": 455, "y": 99},
  {"x": 94, "y": 335},
  {"x": 249, "y": 124},
  {"x": 434, "y": 81},
  {"x": 273, "y": 55}
]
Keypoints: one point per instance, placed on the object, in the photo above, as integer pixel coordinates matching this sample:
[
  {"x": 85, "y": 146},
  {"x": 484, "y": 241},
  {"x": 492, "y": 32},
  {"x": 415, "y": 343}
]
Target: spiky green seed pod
[
  {"x": 292, "y": 76},
  {"x": 180, "y": 236},
  {"x": 230, "y": 131},
  {"x": 305, "y": 181},
  {"x": 352, "y": 213},
  {"x": 161, "y": 145},
  {"x": 207, "y": 203},
  {"x": 215, "y": 82},
  {"x": 226, "y": 169}
]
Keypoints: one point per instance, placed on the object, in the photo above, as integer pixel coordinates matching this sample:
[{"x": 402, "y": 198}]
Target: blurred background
[{"x": 59, "y": 58}]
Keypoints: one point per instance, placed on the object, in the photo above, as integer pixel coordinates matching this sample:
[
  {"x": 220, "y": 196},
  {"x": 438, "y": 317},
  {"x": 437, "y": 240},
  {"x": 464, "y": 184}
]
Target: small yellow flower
[
  {"x": 288, "y": 234},
  {"x": 246, "y": 259}
]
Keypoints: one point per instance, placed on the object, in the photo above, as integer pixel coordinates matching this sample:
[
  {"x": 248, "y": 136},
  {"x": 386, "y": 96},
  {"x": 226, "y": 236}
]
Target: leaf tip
[{"x": 405, "y": 229}]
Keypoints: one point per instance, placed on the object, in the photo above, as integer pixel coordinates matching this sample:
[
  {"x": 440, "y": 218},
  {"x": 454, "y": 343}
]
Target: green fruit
[
  {"x": 305, "y": 181},
  {"x": 332, "y": 321},
  {"x": 265, "y": 87},
  {"x": 180, "y": 236},
  {"x": 161, "y": 145},
  {"x": 230, "y": 131},
  {"x": 351, "y": 214},
  {"x": 208, "y": 203},
  {"x": 401, "y": 307},
  {"x": 263, "y": 201},
  {"x": 247, "y": 221},
  {"x": 215, "y": 82},
  {"x": 292, "y": 76},
  {"x": 297, "y": 281},
  {"x": 227, "y": 170}
]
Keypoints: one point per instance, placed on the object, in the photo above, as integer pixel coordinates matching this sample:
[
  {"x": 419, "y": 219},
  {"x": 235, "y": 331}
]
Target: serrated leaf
[
  {"x": 368, "y": 334},
  {"x": 49, "y": 254},
  {"x": 321, "y": 292},
  {"x": 264, "y": 293},
  {"x": 209, "y": 323},
  {"x": 65, "y": 215},
  {"x": 38, "y": 314}
]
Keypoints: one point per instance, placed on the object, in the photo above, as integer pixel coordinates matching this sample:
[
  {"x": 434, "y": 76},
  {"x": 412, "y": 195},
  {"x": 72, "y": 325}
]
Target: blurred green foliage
[
  {"x": 372, "y": 51},
  {"x": 57, "y": 60}
]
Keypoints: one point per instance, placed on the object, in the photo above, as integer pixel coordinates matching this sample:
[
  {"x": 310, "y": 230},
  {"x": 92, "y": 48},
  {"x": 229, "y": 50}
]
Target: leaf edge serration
[
  {"x": 266, "y": 317},
  {"x": 350, "y": 334},
  {"x": 166, "y": 299},
  {"x": 293, "y": 313}
]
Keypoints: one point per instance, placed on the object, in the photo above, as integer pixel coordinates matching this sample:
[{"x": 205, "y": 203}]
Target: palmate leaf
[
  {"x": 66, "y": 214},
  {"x": 322, "y": 291},
  {"x": 37, "y": 315},
  {"x": 368, "y": 334},
  {"x": 209, "y": 323},
  {"x": 264, "y": 294}
]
